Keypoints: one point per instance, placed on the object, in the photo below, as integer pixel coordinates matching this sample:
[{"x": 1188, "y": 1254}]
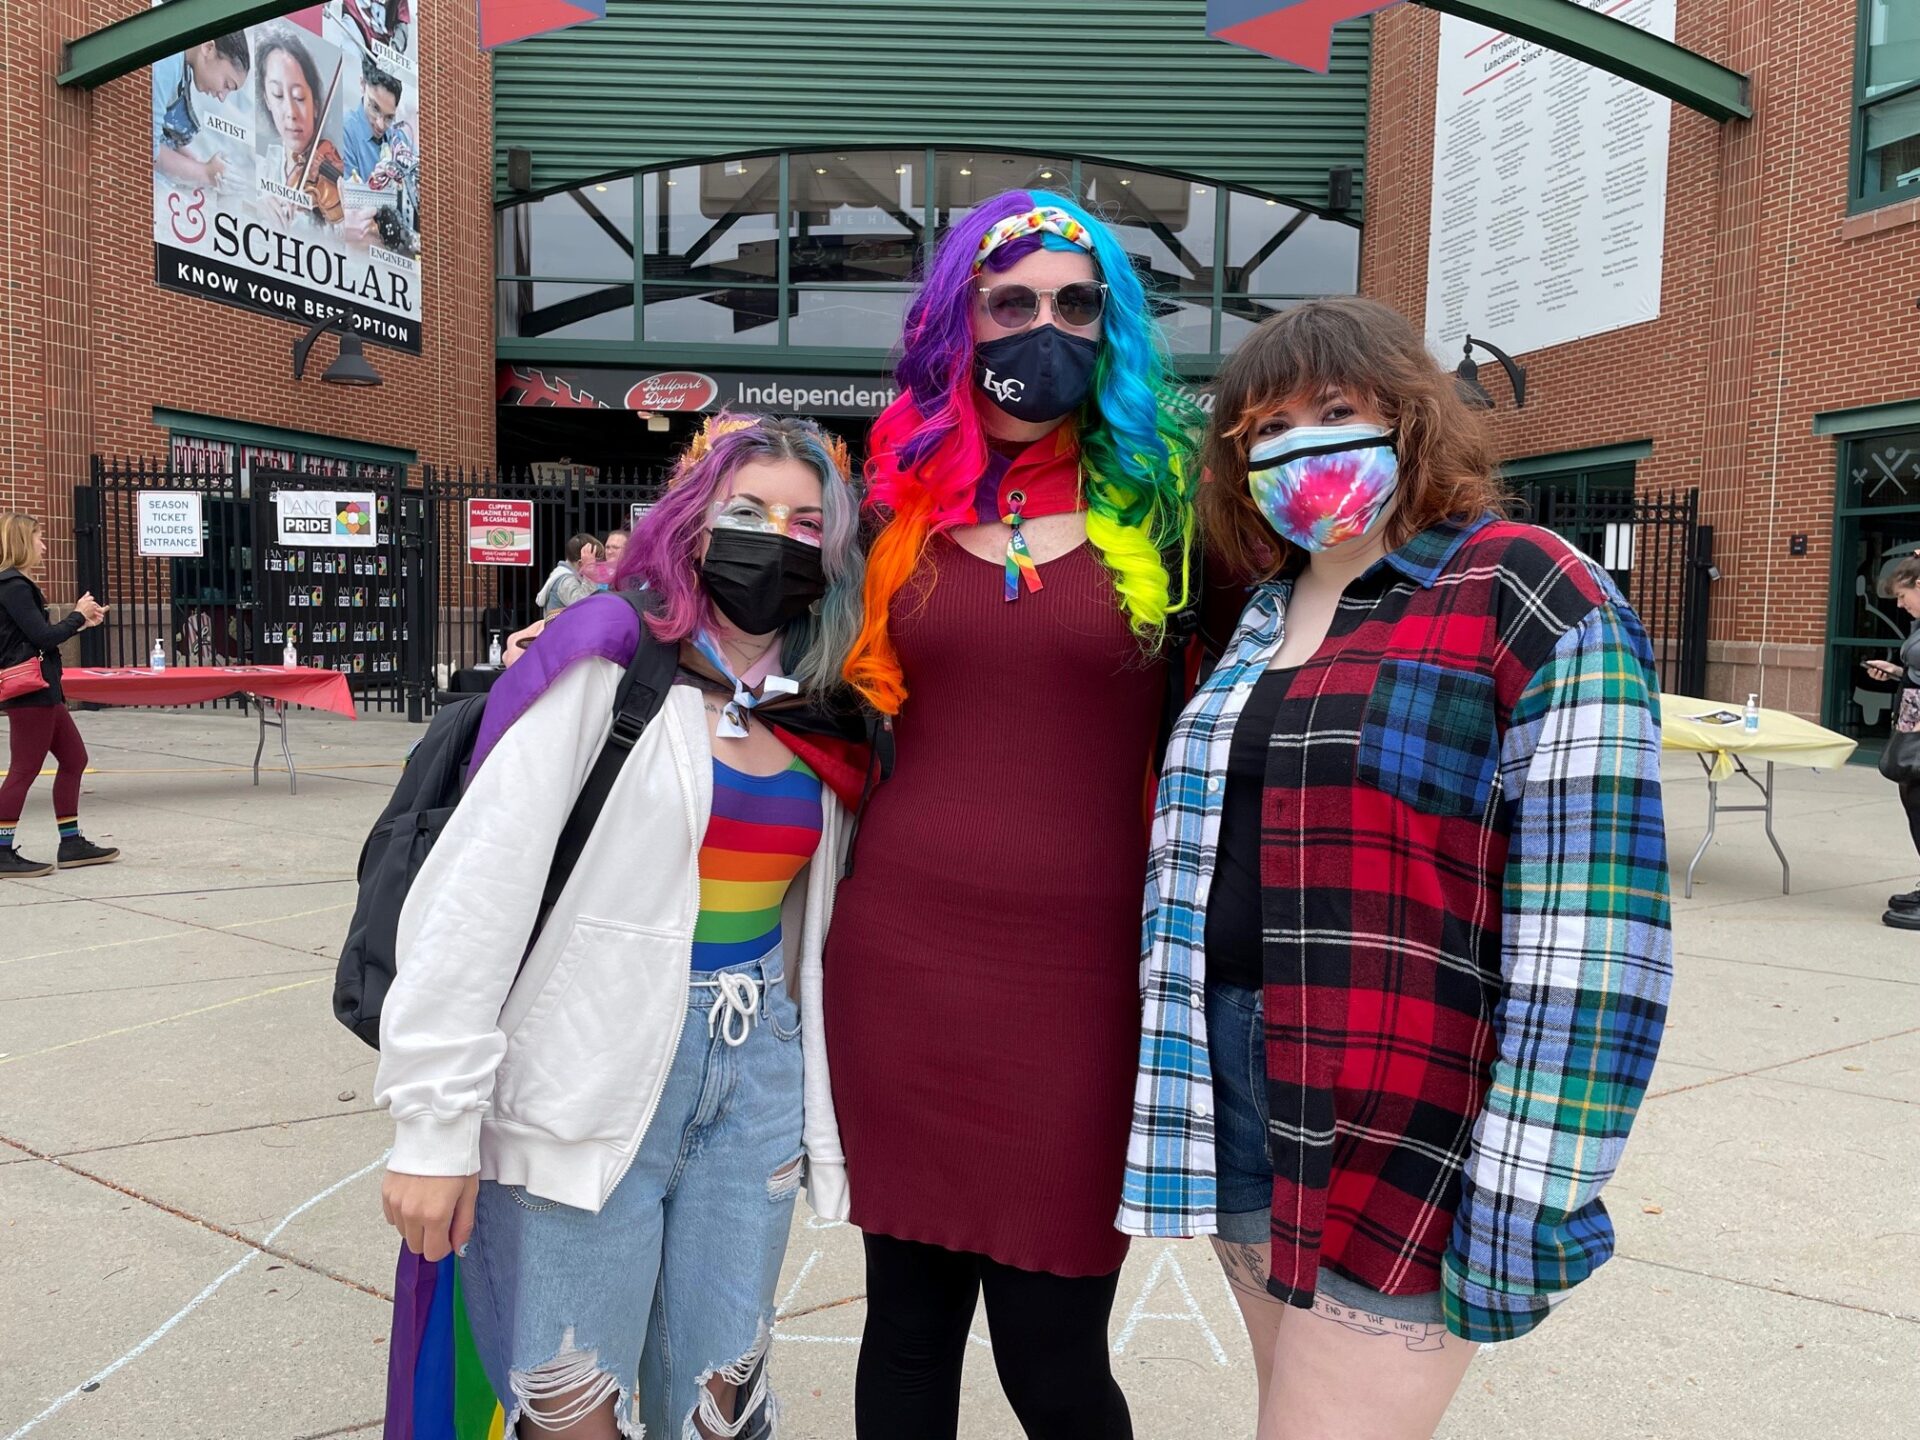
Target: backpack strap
[{"x": 643, "y": 690}]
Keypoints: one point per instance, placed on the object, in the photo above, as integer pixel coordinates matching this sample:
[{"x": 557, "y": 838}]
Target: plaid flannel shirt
[{"x": 1466, "y": 994}]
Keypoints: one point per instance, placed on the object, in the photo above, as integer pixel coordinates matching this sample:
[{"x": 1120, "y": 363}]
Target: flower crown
[{"x": 725, "y": 423}]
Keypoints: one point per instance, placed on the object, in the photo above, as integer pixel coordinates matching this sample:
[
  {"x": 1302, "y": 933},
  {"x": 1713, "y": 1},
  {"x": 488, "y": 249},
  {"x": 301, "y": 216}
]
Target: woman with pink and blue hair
[
  {"x": 1035, "y": 488},
  {"x": 610, "y": 1127}
]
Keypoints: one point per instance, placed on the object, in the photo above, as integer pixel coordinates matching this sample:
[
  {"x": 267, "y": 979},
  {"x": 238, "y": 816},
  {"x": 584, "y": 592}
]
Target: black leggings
[
  {"x": 1910, "y": 800},
  {"x": 1049, "y": 1345}
]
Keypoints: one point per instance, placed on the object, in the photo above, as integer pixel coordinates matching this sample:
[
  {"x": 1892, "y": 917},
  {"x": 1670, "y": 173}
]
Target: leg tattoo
[
  {"x": 1419, "y": 1337},
  {"x": 1246, "y": 1267}
]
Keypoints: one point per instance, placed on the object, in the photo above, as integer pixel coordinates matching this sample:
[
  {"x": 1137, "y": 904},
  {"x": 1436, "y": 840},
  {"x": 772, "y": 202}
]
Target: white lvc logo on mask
[{"x": 1003, "y": 390}]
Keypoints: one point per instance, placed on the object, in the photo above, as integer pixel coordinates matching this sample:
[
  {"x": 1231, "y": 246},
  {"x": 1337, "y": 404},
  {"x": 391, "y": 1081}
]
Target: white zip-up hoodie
[{"x": 547, "y": 1075}]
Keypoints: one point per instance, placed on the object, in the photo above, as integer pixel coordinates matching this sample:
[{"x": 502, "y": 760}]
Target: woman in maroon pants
[{"x": 38, "y": 724}]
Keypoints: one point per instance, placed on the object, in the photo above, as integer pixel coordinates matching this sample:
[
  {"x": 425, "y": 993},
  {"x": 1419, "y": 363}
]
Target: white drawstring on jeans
[{"x": 736, "y": 1008}]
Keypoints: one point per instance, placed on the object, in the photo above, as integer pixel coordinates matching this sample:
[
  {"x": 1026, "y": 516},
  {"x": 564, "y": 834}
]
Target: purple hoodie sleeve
[{"x": 603, "y": 625}]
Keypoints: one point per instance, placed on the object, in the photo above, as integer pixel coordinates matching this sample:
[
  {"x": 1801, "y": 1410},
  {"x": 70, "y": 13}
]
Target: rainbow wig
[
  {"x": 664, "y": 554},
  {"x": 1136, "y": 433}
]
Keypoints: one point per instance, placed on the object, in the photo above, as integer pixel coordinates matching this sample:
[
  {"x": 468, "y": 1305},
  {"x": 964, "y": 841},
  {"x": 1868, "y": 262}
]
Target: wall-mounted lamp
[
  {"x": 349, "y": 368},
  {"x": 1467, "y": 376}
]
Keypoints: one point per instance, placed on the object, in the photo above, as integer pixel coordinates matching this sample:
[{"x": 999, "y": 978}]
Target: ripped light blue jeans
[{"x": 672, "y": 1283}]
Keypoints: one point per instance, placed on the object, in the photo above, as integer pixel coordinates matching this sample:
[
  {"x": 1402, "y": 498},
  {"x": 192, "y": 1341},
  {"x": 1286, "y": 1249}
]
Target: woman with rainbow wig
[
  {"x": 610, "y": 1127},
  {"x": 1035, "y": 487}
]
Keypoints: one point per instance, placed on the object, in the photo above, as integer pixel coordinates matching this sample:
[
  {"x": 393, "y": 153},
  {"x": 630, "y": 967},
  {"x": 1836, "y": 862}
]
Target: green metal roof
[{"x": 1133, "y": 81}]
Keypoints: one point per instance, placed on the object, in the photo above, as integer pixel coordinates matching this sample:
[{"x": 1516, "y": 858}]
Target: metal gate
[
  {"x": 1658, "y": 553},
  {"x": 350, "y": 605},
  {"x": 476, "y": 602}
]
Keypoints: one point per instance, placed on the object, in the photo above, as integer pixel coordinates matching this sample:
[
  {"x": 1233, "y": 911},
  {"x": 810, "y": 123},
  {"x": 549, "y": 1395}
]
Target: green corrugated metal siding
[{"x": 1134, "y": 81}]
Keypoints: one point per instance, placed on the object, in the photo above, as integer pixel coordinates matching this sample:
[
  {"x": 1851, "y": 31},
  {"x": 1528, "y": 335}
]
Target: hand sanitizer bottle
[
  {"x": 289, "y": 657},
  {"x": 158, "y": 659},
  {"x": 495, "y": 655},
  {"x": 1752, "y": 725}
]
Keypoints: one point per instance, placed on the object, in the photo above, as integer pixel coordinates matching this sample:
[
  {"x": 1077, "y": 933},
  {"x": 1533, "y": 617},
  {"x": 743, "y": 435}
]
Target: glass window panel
[
  {"x": 858, "y": 319},
  {"x": 531, "y": 309},
  {"x": 711, "y": 317},
  {"x": 586, "y": 232},
  {"x": 1240, "y": 315},
  {"x": 1884, "y": 472},
  {"x": 1893, "y": 45},
  {"x": 1164, "y": 222},
  {"x": 856, "y": 216},
  {"x": 1893, "y": 145},
  {"x": 1188, "y": 325},
  {"x": 1274, "y": 249},
  {"x": 714, "y": 222},
  {"x": 962, "y": 179}
]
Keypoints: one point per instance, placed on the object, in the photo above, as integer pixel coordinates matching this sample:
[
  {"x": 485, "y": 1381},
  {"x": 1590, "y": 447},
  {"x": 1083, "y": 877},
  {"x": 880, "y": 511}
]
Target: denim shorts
[
  {"x": 672, "y": 1282},
  {"x": 1237, "y": 1049}
]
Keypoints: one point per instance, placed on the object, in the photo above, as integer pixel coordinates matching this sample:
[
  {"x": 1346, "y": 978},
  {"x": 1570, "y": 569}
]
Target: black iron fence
[
  {"x": 197, "y": 563},
  {"x": 202, "y": 562},
  {"x": 1659, "y": 554},
  {"x": 477, "y": 602}
]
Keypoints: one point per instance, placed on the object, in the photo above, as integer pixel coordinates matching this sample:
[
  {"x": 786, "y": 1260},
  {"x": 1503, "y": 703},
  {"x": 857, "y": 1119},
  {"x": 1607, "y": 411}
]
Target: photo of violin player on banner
[
  {"x": 299, "y": 83},
  {"x": 287, "y": 168}
]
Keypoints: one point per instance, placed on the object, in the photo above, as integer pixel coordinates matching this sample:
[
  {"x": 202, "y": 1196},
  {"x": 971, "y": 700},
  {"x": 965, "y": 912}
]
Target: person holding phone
[
  {"x": 38, "y": 724},
  {"x": 1902, "y": 586}
]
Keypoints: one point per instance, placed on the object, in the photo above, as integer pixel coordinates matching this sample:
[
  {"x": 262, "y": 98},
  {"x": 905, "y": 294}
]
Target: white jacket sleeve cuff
[
  {"x": 425, "y": 1145},
  {"x": 827, "y": 1189}
]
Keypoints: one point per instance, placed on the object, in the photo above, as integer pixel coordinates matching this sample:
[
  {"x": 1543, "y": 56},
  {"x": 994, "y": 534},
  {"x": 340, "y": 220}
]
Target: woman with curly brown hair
[{"x": 1406, "y": 946}]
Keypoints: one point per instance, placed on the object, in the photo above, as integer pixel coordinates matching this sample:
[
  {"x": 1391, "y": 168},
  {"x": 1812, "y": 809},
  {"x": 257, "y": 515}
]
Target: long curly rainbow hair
[{"x": 1137, "y": 436}]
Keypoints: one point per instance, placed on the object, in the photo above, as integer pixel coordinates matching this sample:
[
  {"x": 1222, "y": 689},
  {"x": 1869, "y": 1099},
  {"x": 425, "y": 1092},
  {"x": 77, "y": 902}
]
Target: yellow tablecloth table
[{"x": 1724, "y": 751}]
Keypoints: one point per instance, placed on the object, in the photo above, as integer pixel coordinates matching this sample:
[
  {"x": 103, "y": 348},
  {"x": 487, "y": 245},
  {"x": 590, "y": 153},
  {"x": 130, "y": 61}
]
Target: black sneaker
[
  {"x": 1902, "y": 919},
  {"x": 15, "y": 866},
  {"x": 77, "y": 850},
  {"x": 1908, "y": 901}
]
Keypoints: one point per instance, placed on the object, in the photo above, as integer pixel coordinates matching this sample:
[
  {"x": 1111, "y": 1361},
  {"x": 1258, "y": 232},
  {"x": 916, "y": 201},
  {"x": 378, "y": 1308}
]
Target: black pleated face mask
[
  {"x": 1037, "y": 375},
  {"x": 761, "y": 581}
]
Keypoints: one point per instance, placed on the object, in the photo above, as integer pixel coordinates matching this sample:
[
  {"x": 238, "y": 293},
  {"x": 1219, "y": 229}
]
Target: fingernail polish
[{"x": 461, "y": 1251}]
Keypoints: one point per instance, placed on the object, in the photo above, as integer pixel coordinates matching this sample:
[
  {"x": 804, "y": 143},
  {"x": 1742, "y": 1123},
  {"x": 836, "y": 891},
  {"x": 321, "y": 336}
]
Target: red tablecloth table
[{"x": 271, "y": 687}]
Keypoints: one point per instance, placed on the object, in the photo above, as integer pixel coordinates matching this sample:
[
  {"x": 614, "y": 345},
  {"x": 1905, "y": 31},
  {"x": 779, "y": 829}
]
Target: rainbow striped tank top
[{"x": 763, "y": 831}]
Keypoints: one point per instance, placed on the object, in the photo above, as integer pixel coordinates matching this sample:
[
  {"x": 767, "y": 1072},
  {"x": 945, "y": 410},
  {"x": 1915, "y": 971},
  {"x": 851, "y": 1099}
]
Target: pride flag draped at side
[{"x": 436, "y": 1389}]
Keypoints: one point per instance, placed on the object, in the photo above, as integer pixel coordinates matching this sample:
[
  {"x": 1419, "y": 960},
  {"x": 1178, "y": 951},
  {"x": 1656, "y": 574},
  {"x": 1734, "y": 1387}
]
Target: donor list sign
[
  {"x": 1549, "y": 212},
  {"x": 287, "y": 168}
]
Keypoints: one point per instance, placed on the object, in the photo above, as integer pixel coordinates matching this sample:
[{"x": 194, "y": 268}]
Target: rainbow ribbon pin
[{"x": 1019, "y": 558}]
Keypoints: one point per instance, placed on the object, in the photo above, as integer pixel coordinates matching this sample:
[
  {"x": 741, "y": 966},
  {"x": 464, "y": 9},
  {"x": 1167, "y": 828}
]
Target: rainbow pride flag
[{"x": 436, "y": 1389}]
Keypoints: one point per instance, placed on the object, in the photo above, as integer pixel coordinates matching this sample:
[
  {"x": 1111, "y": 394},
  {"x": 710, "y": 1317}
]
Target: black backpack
[{"x": 424, "y": 801}]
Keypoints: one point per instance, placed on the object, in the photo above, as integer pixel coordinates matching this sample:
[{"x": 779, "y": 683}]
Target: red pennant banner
[
  {"x": 504, "y": 21},
  {"x": 1297, "y": 31}
]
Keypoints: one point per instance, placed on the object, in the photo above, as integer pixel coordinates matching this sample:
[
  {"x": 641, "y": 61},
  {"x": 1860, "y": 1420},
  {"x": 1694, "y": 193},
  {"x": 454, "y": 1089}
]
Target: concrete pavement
[{"x": 191, "y": 1245}]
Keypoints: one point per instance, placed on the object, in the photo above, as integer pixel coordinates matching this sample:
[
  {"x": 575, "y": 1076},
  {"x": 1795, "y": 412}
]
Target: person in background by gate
[
  {"x": 1407, "y": 946},
  {"x": 37, "y": 720},
  {"x": 1902, "y": 586},
  {"x": 565, "y": 584}
]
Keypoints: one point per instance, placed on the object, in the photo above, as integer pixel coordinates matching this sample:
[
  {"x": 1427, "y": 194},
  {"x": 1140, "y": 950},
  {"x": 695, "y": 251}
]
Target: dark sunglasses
[{"x": 1015, "y": 307}]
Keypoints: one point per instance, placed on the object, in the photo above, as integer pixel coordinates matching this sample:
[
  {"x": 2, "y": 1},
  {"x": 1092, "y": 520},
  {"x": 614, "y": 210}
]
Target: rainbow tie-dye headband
[{"x": 1050, "y": 218}]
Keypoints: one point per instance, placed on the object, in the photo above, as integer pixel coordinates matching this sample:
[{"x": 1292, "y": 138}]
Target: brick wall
[
  {"x": 92, "y": 345},
  {"x": 1775, "y": 307}
]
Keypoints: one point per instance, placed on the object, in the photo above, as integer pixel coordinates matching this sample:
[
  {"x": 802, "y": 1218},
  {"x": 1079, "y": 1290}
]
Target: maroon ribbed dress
[{"x": 983, "y": 971}]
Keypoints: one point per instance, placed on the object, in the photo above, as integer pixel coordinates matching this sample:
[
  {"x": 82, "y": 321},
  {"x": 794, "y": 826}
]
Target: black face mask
[
  {"x": 1038, "y": 374},
  {"x": 761, "y": 581}
]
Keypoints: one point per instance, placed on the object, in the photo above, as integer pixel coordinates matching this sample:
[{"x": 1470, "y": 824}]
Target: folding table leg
[
  {"x": 1713, "y": 820},
  {"x": 260, "y": 749},
  {"x": 286, "y": 750},
  {"x": 1786, "y": 870}
]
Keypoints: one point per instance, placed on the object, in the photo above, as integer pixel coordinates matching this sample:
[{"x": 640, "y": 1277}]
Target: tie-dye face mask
[{"x": 1323, "y": 485}]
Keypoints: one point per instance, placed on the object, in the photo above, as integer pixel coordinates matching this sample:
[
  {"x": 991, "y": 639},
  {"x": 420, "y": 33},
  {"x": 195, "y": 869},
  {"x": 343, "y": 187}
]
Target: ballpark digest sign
[
  {"x": 340, "y": 519},
  {"x": 280, "y": 198},
  {"x": 685, "y": 391}
]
